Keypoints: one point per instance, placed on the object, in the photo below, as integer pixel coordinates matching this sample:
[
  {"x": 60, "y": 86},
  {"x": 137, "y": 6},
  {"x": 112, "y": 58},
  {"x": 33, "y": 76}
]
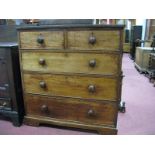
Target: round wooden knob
[
  {"x": 42, "y": 84},
  {"x": 92, "y": 39},
  {"x": 40, "y": 40},
  {"x": 92, "y": 63},
  {"x": 91, "y": 88},
  {"x": 44, "y": 108},
  {"x": 91, "y": 112},
  {"x": 42, "y": 61}
]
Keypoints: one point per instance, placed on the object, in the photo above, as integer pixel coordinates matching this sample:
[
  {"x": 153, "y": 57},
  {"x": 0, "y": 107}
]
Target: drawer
[
  {"x": 97, "y": 39},
  {"x": 92, "y": 63},
  {"x": 4, "y": 71},
  {"x": 101, "y": 88},
  {"x": 5, "y": 104},
  {"x": 41, "y": 40},
  {"x": 71, "y": 109}
]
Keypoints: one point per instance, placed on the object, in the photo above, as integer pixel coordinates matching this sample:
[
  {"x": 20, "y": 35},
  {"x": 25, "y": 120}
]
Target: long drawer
[
  {"x": 94, "y": 39},
  {"x": 101, "y": 88},
  {"x": 92, "y": 63},
  {"x": 71, "y": 109},
  {"x": 41, "y": 40}
]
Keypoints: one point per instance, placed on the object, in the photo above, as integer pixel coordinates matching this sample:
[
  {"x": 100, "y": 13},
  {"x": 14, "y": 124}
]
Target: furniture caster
[{"x": 122, "y": 107}]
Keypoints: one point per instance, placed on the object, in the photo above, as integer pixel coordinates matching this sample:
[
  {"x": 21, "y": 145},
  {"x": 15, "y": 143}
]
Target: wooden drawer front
[
  {"x": 71, "y": 62},
  {"x": 71, "y": 86},
  {"x": 103, "y": 40},
  {"x": 51, "y": 40},
  {"x": 5, "y": 72},
  {"x": 71, "y": 109}
]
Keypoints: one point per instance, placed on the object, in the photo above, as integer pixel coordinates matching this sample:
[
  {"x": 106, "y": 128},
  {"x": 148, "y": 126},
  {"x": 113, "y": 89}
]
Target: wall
[{"x": 143, "y": 23}]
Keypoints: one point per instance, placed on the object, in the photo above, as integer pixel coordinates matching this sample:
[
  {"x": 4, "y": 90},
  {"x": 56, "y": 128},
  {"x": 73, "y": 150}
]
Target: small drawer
[
  {"x": 41, "y": 40},
  {"x": 97, "y": 39},
  {"x": 5, "y": 104},
  {"x": 71, "y": 109},
  {"x": 72, "y": 62},
  {"x": 101, "y": 88}
]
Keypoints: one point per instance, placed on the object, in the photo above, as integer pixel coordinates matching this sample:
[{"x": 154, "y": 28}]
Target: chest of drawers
[
  {"x": 72, "y": 75},
  {"x": 11, "y": 103}
]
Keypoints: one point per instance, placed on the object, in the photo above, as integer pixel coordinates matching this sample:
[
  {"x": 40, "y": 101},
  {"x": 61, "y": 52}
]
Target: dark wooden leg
[
  {"x": 150, "y": 78},
  {"x": 15, "y": 120},
  {"x": 13, "y": 116}
]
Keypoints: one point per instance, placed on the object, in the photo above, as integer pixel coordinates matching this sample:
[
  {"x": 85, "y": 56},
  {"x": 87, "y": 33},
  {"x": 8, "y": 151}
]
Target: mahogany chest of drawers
[
  {"x": 71, "y": 75},
  {"x": 11, "y": 103}
]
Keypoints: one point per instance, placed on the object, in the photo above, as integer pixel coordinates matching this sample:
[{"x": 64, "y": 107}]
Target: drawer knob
[
  {"x": 42, "y": 61},
  {"x": 92, "y": 63},
  {"x": 92, "y": 39},
  {"x": 91, "y": 88},
  {"x": 40, "y": 40},
  {"x": 4, "y": 104},
  {"x": 44, "y": 108},
  {"x": 42, "y": 84},
  {"x": 91, "y": 112}
]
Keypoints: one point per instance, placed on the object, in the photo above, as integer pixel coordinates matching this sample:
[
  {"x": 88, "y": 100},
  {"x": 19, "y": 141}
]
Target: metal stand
[{"x": 122, "y": 107}]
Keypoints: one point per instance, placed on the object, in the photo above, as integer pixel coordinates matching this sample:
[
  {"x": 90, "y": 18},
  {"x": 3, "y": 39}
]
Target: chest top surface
[
  {"x": 8, "y": 44},
  {"x": 82, "y": 26}
]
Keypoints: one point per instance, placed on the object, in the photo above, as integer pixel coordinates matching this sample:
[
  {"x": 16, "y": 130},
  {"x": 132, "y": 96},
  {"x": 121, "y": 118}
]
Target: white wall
[{"x": 143, "y": 23}]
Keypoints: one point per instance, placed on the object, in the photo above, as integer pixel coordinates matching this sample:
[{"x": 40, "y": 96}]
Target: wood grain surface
[
  {"x": 104, "y": 40},
  {"x": 72, "y": 86},
  {"x": 74, "y": 62},
  {"x": 52, "y": 40},
  {"x": 71, "y": 109},
  {"x": 61, "y": 87}
]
